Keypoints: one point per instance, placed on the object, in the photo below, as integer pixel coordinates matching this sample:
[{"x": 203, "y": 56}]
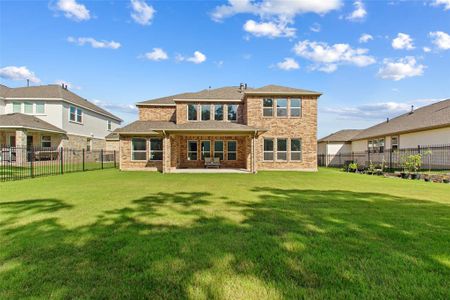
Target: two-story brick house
[{"x": 267, "y": 128}]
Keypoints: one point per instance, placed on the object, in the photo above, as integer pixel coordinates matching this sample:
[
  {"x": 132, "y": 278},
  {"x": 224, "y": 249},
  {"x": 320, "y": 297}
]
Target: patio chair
[{"x": 212, "y": 162}]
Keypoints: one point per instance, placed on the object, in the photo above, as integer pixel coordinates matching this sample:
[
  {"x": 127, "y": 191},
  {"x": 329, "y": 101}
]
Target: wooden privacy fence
[
  {"x": 436, "y": 157},
  {"x": 20, "y": 163}
]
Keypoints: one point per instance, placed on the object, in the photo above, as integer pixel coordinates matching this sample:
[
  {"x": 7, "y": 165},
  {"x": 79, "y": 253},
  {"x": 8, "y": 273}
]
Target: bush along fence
[
  {"x": 20, "y": 163},
  {"x": 435, "y": 157}
]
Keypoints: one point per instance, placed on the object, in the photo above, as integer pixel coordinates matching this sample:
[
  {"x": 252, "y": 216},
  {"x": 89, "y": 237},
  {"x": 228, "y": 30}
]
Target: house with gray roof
[
  {"x": 52, "y": 116},
  {"x": 233, "y": 127}
]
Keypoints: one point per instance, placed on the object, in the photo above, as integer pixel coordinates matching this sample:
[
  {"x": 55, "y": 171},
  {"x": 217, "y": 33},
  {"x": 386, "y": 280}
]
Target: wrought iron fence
[
  {"x": 28, "y": 162},
  {"x": 436, "y": 157}
]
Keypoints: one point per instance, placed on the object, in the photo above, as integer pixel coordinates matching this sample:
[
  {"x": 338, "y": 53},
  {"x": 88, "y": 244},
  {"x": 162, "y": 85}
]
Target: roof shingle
[
  {"x": 344, "y": 135},
  {"x": 17, "y": 120}
]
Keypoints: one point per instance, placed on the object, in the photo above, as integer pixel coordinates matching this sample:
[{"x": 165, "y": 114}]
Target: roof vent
[
  {"x": 242, "y": 86},
  {"x": 387, "y": 120},
  {"x": 412, "y": 109}
]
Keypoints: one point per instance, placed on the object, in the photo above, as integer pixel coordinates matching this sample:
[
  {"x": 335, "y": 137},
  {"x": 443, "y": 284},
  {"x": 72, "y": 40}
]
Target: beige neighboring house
[
  {"x": 337, "y": 143},
  {"x": 422, "y": 127},
  {"x": 112, "y": 141},
  {"x": 267, "y": 128},
  {"x": 51, "y": 116}
]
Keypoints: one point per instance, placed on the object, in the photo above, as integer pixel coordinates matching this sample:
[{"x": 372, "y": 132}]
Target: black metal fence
[
  {"x": 436, "y": 157},
  {"x": 20, "y": 163}
]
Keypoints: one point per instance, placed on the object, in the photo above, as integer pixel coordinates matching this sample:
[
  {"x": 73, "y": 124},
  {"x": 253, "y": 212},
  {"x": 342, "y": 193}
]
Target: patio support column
[
  {"x": 166, "y": 154},
  {"x": 254, "y": 168},
  {"x": 21, "y": 146}
]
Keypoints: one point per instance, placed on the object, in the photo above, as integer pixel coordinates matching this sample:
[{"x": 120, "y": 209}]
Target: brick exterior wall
[
  {"x": 112, "y": 146},
  {"x": 181, "y": 111},
  {"x": 157, "y": 113},
  {"x": 125, "y": 157},
  {"x": 304, "y": 127}
]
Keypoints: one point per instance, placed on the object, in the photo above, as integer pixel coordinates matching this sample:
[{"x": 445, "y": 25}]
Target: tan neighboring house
[
  {"x": 338, "y": 143},
  {"x": 267, "y": 128},
  {"x": 51, "y": 116},
  {"x": 425, "y": 126}
]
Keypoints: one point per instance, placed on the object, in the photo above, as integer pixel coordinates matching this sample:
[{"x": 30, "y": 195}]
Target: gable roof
[
  {"x": 53, "y": 91},
  {"x": 344, "y": 135},
  {"x": 17, "y": 120},
  {"x": 227, "y": 93},
  {"x": 431, "y": 116}
]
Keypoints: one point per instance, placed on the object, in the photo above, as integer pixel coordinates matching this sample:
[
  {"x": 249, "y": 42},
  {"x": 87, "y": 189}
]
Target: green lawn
[{"x": 111, "y": 234}]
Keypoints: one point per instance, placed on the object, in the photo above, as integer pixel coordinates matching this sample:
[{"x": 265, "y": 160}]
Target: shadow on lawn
[{"x": 292, "y": 243}]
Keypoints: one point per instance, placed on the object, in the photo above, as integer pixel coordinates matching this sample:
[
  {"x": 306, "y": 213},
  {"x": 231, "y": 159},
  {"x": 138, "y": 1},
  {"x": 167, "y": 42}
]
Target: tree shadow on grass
[{"x": 291, "y": 244}]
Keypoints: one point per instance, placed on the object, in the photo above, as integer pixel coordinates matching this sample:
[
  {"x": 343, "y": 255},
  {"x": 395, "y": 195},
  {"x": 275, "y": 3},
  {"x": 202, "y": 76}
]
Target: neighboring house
[
  {"x": 330, "y": 147},
  {"x": 268, "y": 128},
  {"x": 425, "y": 126},
  {"x": 112, "y": 141},
  {"x": 51, "y": 116}
]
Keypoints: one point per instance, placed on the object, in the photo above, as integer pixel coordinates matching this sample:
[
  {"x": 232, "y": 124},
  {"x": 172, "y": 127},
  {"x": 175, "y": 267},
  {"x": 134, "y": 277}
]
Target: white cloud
[
  {"x": 288, "y": 64},
  {"x": 269, "y": 29},
  {"x": 364, "y": 38},
  {"x": 440, "y": 39},
  {"x": 142, "y": 13},
  {"x": 280, "y": 9},
  {"x": 359, "y": 13},
  {"x": 123, "y": 108},
  {"x": 156, "y": 55},
  {"x": 400, "y": 69},
  {"x": 426, "y": 49},
  {"x": 198, "y": 58},
  {"x": 70, "y": 85},
  {"x": 73, "y": 10},
  {"x": 329, "y": 57},
  {"x": 403, "y": 41},
  {"x": 445, "y": 3},
  {"x": 81, "y": 41},
  {"x": 379, "y": 110},
  {"x": 18, "y": 73},
  {"x": 315, "y": 27}
]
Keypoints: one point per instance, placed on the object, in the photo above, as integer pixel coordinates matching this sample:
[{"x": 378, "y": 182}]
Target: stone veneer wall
[
  {"x": 112, "y": 146},
  {"x": 157, "y": 113},
  {"x": 304, "y": 127},
  {"x": 80, "y": 142}
]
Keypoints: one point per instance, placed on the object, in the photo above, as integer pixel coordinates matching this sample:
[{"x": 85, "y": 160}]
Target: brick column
[
  {"x": 166, "y": 154},
  {"x": 21, "y": 146}
]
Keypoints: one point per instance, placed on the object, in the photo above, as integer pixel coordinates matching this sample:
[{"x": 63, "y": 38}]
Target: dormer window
[{"x": 76, "y": 114}]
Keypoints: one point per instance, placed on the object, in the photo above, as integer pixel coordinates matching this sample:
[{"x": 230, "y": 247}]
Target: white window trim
[
  {"x": 201, "y": 151},
  {"x": 131, "y": 148},
  {"x": 237, "y": 113},
  {"x": 109, "y": 125},
  {"x": 32, "y": 108},
  {"x": 42, "y": 140},
  {"x": 300, "y": 107},
  {"x": 214, "y": 111},
  {"x": 20, "y": 105},
  {"x": 286, "y": 152},
  {"x": 76, "y": 114},
  {"x": 150, "y": 149},
  {"x": 283, "y": 107},
  {"x": 196, "y": 112},
  {"x": 223, "y": 149},
  {"x": 300, "y": 152},
  {"x": 187, "y": 152},
  {"x": 235, "y": 152},
  {"x": 201, "y": 112},
  {"x": 398, "y": 141},
  {"x": 273, "y": 149}
]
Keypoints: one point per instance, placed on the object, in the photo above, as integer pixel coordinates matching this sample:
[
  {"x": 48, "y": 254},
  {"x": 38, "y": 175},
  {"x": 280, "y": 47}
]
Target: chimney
[
  {"x": 412, "y": 109},
  {"x": 245, "y": 86},
  {"x": 241, "y": 86},
  {"x": 387, "y": 120}
]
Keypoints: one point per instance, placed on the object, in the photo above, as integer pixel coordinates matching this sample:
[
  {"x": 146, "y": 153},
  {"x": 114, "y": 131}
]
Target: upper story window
[
  {"x": 296, "y": 107},
  {"x": 206, "y": 112},
  {"x": 281, "y": 107},
  {"x": 218, "y": 112},
  {"x": 76, "y": 114},
  {"x": 268, "y": 107},
  {"x": 232, "y": 112},
  {"x": 109, "y": 125},
  {"x": 40, "y": 108},
  {"x": 17, "y": 107},
  {"x": 28, "y": 107},
  {"x": 192, "y": 112}
]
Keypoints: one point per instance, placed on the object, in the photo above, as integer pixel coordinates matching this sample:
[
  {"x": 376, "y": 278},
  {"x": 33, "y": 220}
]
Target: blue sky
[{"x": 371, "y": 59}]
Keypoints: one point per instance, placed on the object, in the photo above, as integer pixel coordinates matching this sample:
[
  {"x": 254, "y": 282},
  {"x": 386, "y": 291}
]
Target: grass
[{"x": 111, "y": 234}]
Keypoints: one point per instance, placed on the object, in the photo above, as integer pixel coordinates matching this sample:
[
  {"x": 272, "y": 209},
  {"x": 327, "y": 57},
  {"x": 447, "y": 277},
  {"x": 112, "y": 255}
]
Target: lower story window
[
  {"x": 156, "y": 149},
  {"x": 88, "y": 144},
  {"x": 281, "y": 149},
  {"x": 218, "y": 149},
  {"x": 268, "y": 149},
  {"x": 296, "y": 149},
  {"x": 232, "y": 150},
  {"x": 138, "y": 149},
  {"x": 192, "y": 150},
  {"x": 46, "y": 141},
  {"x": 206, "y": 149}
]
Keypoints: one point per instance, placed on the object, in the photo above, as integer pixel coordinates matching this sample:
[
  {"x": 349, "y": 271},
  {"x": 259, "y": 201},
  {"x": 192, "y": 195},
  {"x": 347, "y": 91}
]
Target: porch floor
[{"x": 211, "y": 170}]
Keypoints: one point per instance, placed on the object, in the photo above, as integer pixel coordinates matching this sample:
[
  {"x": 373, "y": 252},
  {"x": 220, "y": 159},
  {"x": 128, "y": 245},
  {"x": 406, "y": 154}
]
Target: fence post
[
  {"x": 340, "y": 155},
  {"x": 101, "y": 157},
  {"x": 418, "y": 149},
  {"x": 368, "y": 156},
  {"x": 83, "y": 159},
  {"x": 31, "y": 162},
  {"x": 61, "y": 160},
  {"x": 114, "y": 157},
  {"x": 390, "y": 159}
]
